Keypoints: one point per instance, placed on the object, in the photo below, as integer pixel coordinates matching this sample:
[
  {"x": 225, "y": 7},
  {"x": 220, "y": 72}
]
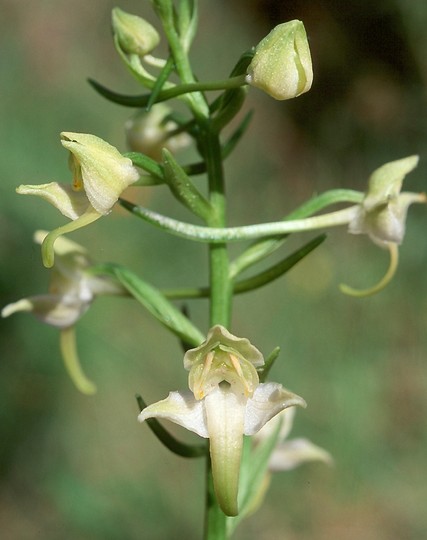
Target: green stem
[
  {"x": 197, "y": 101},
  {"x": 220, "y": 297},
  {"x": 220, "y": 235},
  {"x": 186, "y": 88},
  {"x": 220, "y": 304},
  {"x": 220, "y": 284}
]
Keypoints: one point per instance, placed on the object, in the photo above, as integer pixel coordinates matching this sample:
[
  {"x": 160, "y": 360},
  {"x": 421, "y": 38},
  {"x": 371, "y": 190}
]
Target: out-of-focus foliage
[{"x": 76, "y": 467}]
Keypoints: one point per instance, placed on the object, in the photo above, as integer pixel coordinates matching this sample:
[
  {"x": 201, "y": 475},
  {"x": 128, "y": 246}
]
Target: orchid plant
[{"x": 229, "y": 400}]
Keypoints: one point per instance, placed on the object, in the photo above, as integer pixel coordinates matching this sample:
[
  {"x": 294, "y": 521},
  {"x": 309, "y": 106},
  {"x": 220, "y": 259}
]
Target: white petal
[
  {"x": 181, "y": 408},
  {"x": 70, "y": 203},
  {"x": 292, "y": 453},
  {"x": 286, "y": 417},
  {"x": 268, "y": 400},
  {"x": 55, "y": 310}
]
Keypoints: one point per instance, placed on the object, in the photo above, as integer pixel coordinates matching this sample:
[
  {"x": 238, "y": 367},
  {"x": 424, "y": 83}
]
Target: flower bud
[
  {"x": 150, "y": 132},
  {"x": 134, "y": 34},
  {"x": 282, "y": 62}
]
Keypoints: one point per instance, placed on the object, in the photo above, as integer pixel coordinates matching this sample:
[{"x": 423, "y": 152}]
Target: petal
[
  {"x": 51, "y": 309},
  {"x": 182, "y": 409},
  {"x": 48, "y": 253},
  {"x": 225, "y": 413},
  {"x": 72, "y": 362},
  {"x": 70, "y": 203},
  {"x": 291, "y": 454},
  {"x": 105, "y": 172},
  {"x": 388, "y": 223},
  {"x": 285, "y": 417},
  {"x": 63, "y": 246},
  {"x": 386, "y": 181},
  {"x": 268, "y": 400}
]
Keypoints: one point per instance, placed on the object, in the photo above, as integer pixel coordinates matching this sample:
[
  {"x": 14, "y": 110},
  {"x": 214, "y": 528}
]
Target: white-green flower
[
  {"x": 72, "y": 289},
  {"x": 382, "y": 213},
  {"x": 100, "y": 175},
  {"x": 226, "y": 401}
]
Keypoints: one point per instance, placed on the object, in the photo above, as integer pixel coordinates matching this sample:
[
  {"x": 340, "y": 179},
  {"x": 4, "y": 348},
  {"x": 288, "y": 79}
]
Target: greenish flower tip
[
  {"x": 382, "y": 213},
  {"x": 226, "y": 401},
  {"x": 134, "y": 34},
  {"x": 282, "y": 62},
  {"x": 150, "y": 132}
]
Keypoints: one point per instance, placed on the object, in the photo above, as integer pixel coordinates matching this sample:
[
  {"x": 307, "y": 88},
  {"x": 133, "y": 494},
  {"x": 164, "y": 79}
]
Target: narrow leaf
[
  {"x": 277, "y": 270},
  {"x": 265, "y": 369},
  {"x": 235, "y": 137},
  {"x": 160, "y": 81},
  {"x": 147, "y": 164},
  {"x": 260, "y": 249},
  {"x": 182, "y": 187},
  {"x": 156, "y": 303},
  {"x": 253, "y": 476},
  {"x": 121, "y": 99}
]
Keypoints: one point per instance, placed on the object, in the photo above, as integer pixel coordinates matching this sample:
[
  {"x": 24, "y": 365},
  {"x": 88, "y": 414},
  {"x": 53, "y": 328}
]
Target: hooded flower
[
  {"x": 100, "y": 175},
  {"x": 382, "y": 213},
  {"x": 71, "y": 291},
  {"x": 226, "y": 401}
]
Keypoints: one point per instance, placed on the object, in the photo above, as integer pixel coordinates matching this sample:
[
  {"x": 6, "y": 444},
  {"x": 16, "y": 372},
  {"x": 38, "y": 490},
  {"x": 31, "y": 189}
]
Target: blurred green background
[{"x": 77, "y": 467}]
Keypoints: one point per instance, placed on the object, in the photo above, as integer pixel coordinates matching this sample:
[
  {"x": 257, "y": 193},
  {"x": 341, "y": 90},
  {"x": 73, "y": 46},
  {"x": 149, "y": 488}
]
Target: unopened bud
[
  {"x": 150, "y": 132},
  {"x": 282, "y": 62},
  {"x": 134, "y": 34}
]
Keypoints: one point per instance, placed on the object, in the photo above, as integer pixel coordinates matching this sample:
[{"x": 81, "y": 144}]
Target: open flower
[
  {"x": 100, "y": 175},
  {"x": 382, "y": 213},
  {"x": 71, "y": 291},
  {"x": 226, "y": 401}
]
